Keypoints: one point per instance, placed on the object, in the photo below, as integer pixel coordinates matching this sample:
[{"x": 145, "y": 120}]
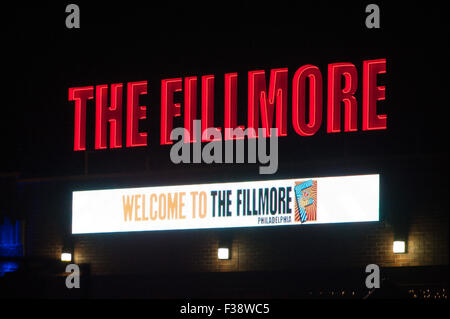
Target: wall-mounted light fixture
[
  {"x": 67, "y": 251},
  {"x": 66, "y": 257},
  {"x": 400, "y": 244},
  {"x": 223, "y": 253},
  {"x": 399, "y": 247},
  {"x": 225, "y": 243}
]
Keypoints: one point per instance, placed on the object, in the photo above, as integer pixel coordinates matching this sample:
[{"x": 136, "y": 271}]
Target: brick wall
[
  {"x": 259, "y": 249},
  {"x": 284, "y": 248}
]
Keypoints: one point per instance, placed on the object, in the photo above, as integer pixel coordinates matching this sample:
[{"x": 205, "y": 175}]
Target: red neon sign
[
  {"x": 269, "y": 106},
  {"x": 105, "y": 114},
  {"x": 311, "y": 73},
  {"x": 80, "y": 95}
]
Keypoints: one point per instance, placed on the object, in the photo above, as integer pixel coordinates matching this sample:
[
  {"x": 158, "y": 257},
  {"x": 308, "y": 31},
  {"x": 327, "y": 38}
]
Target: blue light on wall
[
  {"x": 8, "y": 266},
  {"x": 10, "y": 244}
]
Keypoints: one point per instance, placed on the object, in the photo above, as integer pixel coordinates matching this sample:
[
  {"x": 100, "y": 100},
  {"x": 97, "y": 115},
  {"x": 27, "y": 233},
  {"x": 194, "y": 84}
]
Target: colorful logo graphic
[{"x": 306, "y": 201}]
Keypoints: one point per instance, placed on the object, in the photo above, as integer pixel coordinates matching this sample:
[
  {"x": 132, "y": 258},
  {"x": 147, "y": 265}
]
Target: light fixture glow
[
  {"x": 223, "y": 253},
  {"x": 399, "y": 247},
  {"x": 66, "y": 257}
]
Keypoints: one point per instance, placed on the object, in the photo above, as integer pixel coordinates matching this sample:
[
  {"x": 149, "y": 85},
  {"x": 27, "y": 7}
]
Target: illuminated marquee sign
[
  {"x": 296, "y": 202},
  {"x": 270, "y": 106}
]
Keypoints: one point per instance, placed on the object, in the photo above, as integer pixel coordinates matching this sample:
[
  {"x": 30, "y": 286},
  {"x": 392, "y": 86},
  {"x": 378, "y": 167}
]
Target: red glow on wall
[
  {"x": 373, "y": 93},
  {"x": 105, "y": 114},
  {"x": 135, "y": 112},
  {"x": 80, "y": 95},
  {"x": 311, "y": 73},
  {"x": 336, "y": 95}
]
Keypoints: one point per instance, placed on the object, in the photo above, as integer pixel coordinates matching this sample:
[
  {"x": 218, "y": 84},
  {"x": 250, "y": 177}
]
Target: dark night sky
[{"x": 130, "y": 41}]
